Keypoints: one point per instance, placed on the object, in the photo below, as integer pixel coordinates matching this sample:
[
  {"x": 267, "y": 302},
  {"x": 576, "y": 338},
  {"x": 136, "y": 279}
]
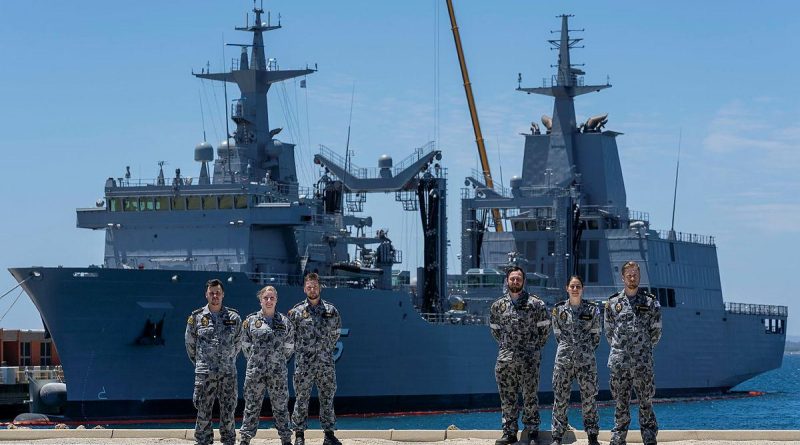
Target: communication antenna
[
  {"x": 675, "y": 193},
  {"x": 227, "y": 127},
  {"x": 202, "y": 115}
]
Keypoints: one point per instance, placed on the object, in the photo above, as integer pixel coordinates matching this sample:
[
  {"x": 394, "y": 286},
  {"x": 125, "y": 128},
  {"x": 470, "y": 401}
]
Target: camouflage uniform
[
  {"x": 521, "y": 328},
  {"x": 577, "y": 332},
  {"x": 213, "y": 341},
  {"x": 632, "y": 327},
  {"x": 316, "y": 333},
  {"x": 268, "y": 344}
]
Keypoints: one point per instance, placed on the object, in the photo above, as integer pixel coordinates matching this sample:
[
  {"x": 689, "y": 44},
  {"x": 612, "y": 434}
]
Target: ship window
[
  {"x": 162, "y": 203},
  {"x": 591, "y": 224},
  {"x": 530, "y": 225},
  {"x": 519, "y": 226},
  {"x": 130, "y": 204},
  {"x": 662, "y": 296},
  {"x": 146, "y": 204},
  {"x": 209, "y": 202},
  {"x": 45, "y": 353},
  {"x": 551, "y": 247},
  {"x": 592, "y": 276},
  {"x": 179, "y": 203},
  {"x": 671, "y": 297},
  {"x": 226, "y": 202},
  {"x": 193, "y": 203},
  {"x": 25, "y": 353},
  {"x": 115, "y": 204},
  {"x": 241, "y": 201}
]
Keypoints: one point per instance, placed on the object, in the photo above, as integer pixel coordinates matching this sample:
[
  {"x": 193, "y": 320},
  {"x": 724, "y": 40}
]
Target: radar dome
[
  {"x": 222, "y": 149},
  {"x": 516, "y": 182},
  {"x": 204, "y": 152},
  {"x": 385, "y": 161}
]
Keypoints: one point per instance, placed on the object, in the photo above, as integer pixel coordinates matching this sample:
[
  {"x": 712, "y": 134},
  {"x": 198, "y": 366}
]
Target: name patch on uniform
[
  {"x": 642, "y": 308},
  {"x": 258, "y": 324},
  {"x": 618, "y": 307},
  {"x": 327, "y": 314},
  {"x": 229, "y": 322},
  {"x": 563, "y": 316},
  {"x": 279, "y": 327},
  {"x": 585, "y": 317}
]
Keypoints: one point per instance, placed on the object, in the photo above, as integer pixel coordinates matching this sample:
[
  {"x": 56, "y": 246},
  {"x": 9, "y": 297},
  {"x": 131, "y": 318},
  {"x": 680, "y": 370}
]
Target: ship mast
[
  {"x": 564, "y": 86},
  {"x": 254, "y": 155},
  {"x": 473, "y": 112}
]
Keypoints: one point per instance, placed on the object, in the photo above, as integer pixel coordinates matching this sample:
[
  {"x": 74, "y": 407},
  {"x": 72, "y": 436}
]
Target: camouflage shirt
[
  {"x": 267, "y": 342},
  {"x": 520, "y": 327},
  {"x": 577, "y": 331},
  {"x": 213, "y": 340},
  {"x": 316, "y": 330},
  {"x": 632, "y": 327}
]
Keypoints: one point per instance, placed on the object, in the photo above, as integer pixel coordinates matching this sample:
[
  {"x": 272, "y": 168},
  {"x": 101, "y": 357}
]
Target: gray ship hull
[{"x": 390, "y": 359}]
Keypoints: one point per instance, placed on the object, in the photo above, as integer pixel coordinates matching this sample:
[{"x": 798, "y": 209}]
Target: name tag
[
  {"x": 229, "y": 322},
  {"x": 586, "y": 317}
]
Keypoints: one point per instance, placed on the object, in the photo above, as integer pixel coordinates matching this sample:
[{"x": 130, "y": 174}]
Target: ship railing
[
  {"x": 756, "y": 309},
  {"x": 375, "y": 172},
  {"x": 636, "y": 215},
  {"x": 694, "y": 238},
  {"x": 10, "y": 375},
  {"x": 454, "y": 318}
]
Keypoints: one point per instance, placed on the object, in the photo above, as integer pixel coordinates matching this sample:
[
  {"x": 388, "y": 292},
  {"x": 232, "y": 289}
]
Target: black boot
[
  {"x": 507, "y": 439},
  {"x": 528, "y": 436},
  {"x": 299, "y": 439},
  {"x": 286, "y": 442},
  {"x": 593, "y": 439},
  {"x": 557, "y": 441},
  {"x": 330, "y": 439}
]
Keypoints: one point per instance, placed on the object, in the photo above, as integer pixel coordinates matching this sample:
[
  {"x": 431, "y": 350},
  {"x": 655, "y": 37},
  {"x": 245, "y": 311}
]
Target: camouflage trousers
[
  {"x": 324, "y": 376},
  {"x": 275, "y": 383},
  {"x": 563, "y": 375},
  {"x": 640, "y": 379},
  {"x": 207, "y": 388},
  {"x": 513, "y": 377}
]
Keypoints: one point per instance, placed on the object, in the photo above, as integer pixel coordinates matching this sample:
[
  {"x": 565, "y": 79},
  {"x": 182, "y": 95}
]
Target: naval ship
[{"x": 405, "y": 345}]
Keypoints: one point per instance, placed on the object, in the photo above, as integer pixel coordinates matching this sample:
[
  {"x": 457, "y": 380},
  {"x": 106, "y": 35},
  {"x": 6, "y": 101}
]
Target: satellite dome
[
  {"x": 385, "y": 161},
  {"x": 222, "y": 149},
  {"x": 204, "y": 152},
  {"x": 516, "y": 182}
]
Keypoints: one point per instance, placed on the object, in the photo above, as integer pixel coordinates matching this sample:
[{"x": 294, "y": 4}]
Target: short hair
[
  {"x": 312, "y": 276},
  {"x": 575, "y": 277},
  {"x": 264, "y": 291},
  {"x": 215, "y": 282},
  {"x": 514, "y": 269},
  {"x": 630, "y": 264}
]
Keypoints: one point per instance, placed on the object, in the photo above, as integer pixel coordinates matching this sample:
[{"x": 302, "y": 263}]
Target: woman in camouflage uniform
[
  {"x": 268, "y": 343},
  {"x": 576, "y": 325}
]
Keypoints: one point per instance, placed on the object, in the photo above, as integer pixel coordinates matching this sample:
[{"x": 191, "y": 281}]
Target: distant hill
[{"x": 792, "y": 346}]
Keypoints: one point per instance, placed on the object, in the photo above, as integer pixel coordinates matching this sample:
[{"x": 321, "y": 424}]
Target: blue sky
[{"x": 90, "y": 87}]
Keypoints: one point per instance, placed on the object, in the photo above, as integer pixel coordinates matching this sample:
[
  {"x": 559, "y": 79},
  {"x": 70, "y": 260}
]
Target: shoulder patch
[
  {"x": 232, "y": 309},
  {"x": 245, "y": 324},
  {"x": 561, "y": 303},
  {"x": 197, "y": 311},
  {"x": 191, "y": 319},
  {"x": 555, "y": 312}
]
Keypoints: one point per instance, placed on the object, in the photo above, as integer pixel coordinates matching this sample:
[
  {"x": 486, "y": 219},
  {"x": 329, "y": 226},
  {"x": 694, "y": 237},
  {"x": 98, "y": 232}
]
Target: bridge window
[
  {"x": 671, "y": 297},
  {"x": 115, "y": 204},
  {"x": 130, "y": 204},
  {"x": 146, "y": 204},
  {"x": 162, "y": 203},
  {"x": 179, "y": 203},
  {"x": 519, "y": 226},
  {"x": 241, "y": 202},
  {"x": 226, "y": 202},
  {"x": 209, "y": 202},
  {"x": 194, "y": 203}
]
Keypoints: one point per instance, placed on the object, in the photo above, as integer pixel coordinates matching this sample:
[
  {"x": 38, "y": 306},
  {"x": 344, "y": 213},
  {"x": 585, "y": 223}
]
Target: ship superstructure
[{"x": 246, "y": 219}]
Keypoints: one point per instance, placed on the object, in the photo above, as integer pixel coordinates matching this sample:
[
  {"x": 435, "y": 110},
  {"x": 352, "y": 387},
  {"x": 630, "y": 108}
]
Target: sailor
[
  {"x": 267, "y": 343},
  {"x": 316, "y": 324},
  {"x": 520, "y": 323},
  {"x": 576, "y": 325},
  {"x": 213, "y": 339},
  {"x": 633, "y": 328}
]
